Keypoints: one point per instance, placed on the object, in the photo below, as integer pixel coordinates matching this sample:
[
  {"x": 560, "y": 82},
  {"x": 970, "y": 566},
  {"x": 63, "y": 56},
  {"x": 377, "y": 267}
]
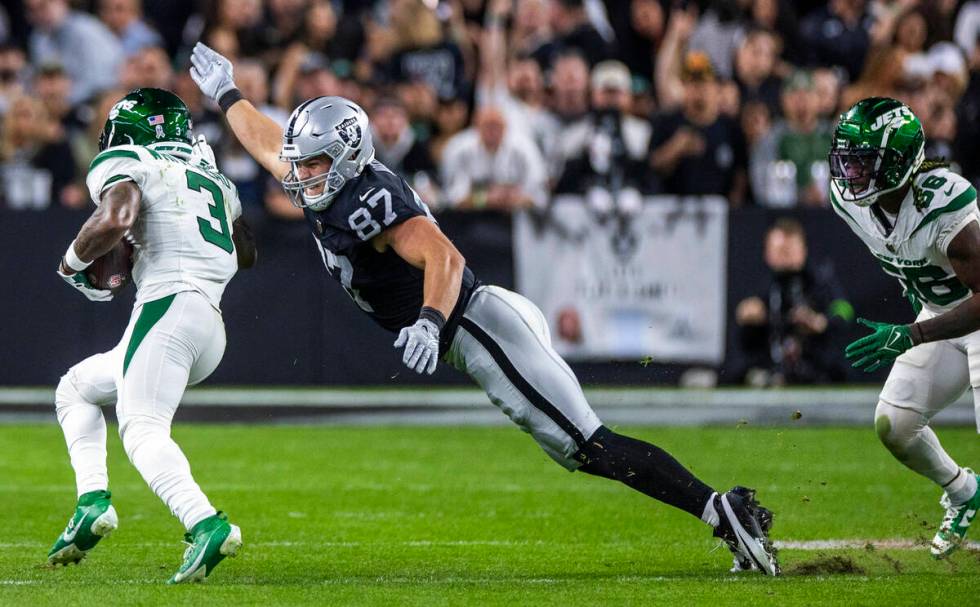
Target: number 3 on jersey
[
  {"x": 361, "y": 220},
  {"x": 220, "y": 238}
]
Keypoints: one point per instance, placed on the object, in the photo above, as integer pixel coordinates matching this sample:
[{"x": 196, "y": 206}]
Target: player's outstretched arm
[
  {"x": 241, "y": 234},
  {"x": 964, "y": 256},
  {"x": 419, "y": 242},
  {"x": 258, "y": 133},
  {"x": 422, "y": 244},
  {"x": 119, "y": 208}
]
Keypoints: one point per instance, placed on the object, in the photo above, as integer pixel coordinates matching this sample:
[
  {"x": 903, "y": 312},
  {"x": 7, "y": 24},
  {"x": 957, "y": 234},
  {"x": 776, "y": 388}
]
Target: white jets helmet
[{"x": 336, "y": 127}]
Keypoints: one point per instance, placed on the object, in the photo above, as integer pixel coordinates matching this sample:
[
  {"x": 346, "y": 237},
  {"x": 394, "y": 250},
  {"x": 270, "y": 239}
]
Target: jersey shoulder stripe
[
  {"x": 110, "y": 154},
  {"x": 966, "y": 197}
]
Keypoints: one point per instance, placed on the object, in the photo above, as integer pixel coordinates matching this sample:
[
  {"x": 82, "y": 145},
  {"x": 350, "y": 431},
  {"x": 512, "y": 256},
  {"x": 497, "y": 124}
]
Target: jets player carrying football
[
  {"x": 378, "y": 239},
  {"x": 155, "y": 185},
  {"x": 920, "y": 221}
]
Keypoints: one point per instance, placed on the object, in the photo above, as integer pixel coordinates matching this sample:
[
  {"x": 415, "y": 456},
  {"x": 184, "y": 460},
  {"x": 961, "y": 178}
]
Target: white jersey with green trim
[
  {"x": 912, "y": 246},
  {"x": 183, "y": 236}
]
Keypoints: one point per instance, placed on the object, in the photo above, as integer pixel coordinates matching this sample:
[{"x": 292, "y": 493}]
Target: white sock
[
  {"x": 166, "y": 470},
  {"x": 710, "y": 515},
  {"x": 962, "y": 488},
  {"x": 84, "y": 428}
]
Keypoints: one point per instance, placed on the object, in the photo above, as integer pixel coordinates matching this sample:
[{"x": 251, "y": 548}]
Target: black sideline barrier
[{"x": 289, "y": 323}]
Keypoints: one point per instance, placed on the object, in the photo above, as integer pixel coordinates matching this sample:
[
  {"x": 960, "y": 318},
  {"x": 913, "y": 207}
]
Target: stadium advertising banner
[{"x": 645, "y": 285}]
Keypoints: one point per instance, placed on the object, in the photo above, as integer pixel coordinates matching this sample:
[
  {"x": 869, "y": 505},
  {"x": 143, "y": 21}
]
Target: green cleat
[
  {"x": 955, "y": 524},
  {"x": 94, "y": 519},
  {"x": 210, "y": 541}
]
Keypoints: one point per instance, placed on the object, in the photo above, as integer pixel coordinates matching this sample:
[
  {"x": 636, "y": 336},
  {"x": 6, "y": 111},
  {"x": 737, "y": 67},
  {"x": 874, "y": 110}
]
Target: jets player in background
[
  {"x": 154, "y": 184},
  {"x": 920, "y": 221},
  {"x": 378, "y": 239}
]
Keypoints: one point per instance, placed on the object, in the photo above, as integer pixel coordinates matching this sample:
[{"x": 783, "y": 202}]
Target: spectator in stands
[
  {"x": 789, "y": 165},
  {"x": 606, "y": 153},
  {"x": 717, "y": 32},
  {"x": 450, "y": 117},
  {"x": 396, "y": 145},
  {"x": 422, "y": 53},
  {"x": 38, "y": 167},
  {"x": 13, "y": 75},
  {"x": 573, "y": 30},
  {"x": 569, "y": 82},
  {"x": 967, "y": 31},
  {"x": 639, "y": 32},
  {"x": 89, "y": 52},
  {"x": 838, "y": 34},
  {"x": 53, "y": 88},
  {"x": 125, "y": 19},
  {"x": 755, "y": 63},
  {"x": 787, "y": 334},
  {"x": 827, "y": 83},
  {"x": 514, "y": 84},
  {"x": 780, "y": 18},
  {"x": 756, "y": 121},
  {"x": 968, "y": 118},
  {"x": 490, "y": 166},
  {"x": 241, "y": 19},
  {"x": 147, "y": 67},
  {"x": 531, "y": 28},
  {"x": 670, "y": 57},
  {"x": 696, "y": 150}
]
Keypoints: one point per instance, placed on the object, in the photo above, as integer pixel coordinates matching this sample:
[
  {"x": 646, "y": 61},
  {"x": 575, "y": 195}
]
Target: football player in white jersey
[
  {"x": 156, "y": 186},
  {"x": 920, "y": 221}
]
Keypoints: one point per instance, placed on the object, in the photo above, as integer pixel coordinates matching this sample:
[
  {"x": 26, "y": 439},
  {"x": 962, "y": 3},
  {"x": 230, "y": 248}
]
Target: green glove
[{"x": 887, "y": 343}]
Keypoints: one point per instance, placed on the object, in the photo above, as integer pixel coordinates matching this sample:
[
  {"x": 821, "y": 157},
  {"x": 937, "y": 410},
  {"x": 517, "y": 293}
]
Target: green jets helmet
[
  {"x": 146, "y": 116},
  {"x": 878, "y": 146}
]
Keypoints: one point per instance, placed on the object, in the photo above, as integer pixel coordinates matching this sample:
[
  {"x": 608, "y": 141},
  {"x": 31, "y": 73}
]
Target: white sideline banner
[{"x": 645, "y": 286}]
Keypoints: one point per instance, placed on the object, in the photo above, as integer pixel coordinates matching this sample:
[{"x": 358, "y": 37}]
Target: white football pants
[
  {"x": 170, "y": 343},
  {"x": 503, "y": 343},
  {"x": 923, "y": 381}
]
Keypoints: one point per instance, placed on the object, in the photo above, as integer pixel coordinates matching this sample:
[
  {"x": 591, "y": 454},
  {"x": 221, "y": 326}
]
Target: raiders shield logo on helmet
[{"x": 350, "y": 131}]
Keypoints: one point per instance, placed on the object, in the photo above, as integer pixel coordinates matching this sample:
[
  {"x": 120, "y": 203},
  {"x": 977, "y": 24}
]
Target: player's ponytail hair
[{"x": 931, "y": 164}]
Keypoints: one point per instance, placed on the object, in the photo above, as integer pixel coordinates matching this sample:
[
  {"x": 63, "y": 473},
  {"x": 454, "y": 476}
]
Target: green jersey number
[
  {"x": 928, "y": 283},
  {"x": 928, "y": 189},
  {"x": 219, "y": 238}
]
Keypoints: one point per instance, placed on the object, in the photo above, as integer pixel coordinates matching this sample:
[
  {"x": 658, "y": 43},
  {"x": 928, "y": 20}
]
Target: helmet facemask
[{"x": 296, "y": 188}]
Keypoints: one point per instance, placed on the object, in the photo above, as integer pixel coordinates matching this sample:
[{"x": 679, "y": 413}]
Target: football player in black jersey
[{"x": 378, "y": 239}]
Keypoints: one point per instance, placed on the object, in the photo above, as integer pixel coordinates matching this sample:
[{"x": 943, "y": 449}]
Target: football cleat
[
  {"x": 740, "y": 563},
  {"x": 209, "y": 542},
  {"x": 94, "y": 519},
  {"x": 744, "y": 526},
  {"x": 956, "y": 523}
]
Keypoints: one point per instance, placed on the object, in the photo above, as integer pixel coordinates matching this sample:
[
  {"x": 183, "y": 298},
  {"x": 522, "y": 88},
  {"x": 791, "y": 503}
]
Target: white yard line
[
  {"x": 892, "y": 544},
  {"x": 808, "y": 545}
]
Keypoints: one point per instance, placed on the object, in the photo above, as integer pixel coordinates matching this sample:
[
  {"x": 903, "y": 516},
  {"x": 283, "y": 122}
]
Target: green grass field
[{"x": 479, "y": 516}]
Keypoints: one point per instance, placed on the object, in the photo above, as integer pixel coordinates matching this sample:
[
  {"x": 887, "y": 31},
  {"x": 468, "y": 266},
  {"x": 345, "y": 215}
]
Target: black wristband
[
  {"x": 433, "y": 315},
  {"x": 229, "y": 98}
]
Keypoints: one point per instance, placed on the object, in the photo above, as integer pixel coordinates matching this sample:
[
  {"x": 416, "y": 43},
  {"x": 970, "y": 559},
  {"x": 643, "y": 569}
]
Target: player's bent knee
[{"x": 897, "y": 428}]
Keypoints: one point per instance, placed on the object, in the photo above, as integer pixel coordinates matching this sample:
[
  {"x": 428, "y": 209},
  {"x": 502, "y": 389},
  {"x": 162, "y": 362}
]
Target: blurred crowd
[{"x": 501, "y": 104}]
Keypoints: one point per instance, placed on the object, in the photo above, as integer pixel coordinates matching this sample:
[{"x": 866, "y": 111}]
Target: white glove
[
  {"x": 211, "y": 71},
  {"x": 80, "y": 282},
  {"x": 421, "y": 342},
  {"x": 202, "y": 149}
]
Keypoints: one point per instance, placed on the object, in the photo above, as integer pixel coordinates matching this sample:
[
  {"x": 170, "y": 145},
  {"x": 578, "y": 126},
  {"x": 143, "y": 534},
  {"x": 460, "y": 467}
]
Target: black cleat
[{"x": 744, "y": 526}]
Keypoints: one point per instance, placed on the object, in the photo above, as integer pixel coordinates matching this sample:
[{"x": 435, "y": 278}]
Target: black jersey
[{"x": 384, "y": 285}]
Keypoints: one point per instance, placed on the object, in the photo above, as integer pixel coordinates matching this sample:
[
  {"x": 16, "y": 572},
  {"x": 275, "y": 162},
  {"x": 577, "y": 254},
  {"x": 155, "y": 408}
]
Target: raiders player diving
[{"x": 378, "y": 239}]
